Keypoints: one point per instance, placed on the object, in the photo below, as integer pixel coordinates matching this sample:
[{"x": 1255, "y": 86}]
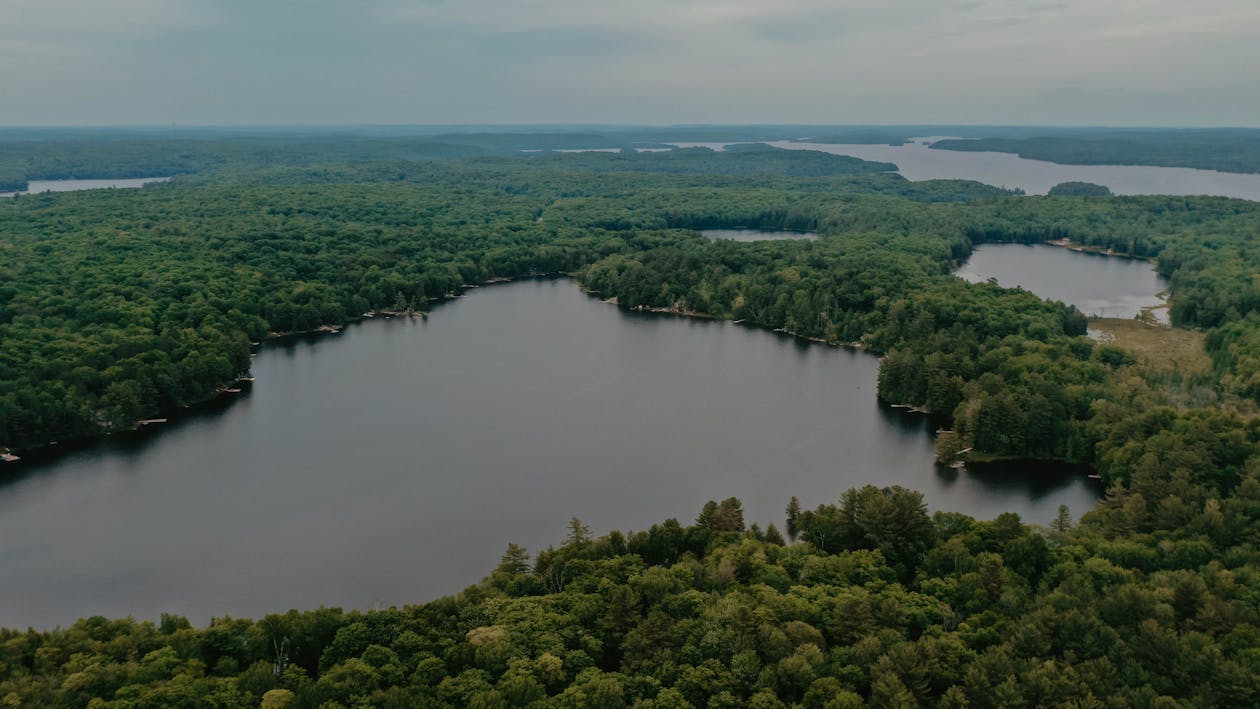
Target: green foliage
[
  {"x": 1079, "y": 189},
  {"x": 945, "y": 610}
]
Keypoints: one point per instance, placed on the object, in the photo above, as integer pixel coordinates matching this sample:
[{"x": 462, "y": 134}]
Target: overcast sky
[{"x": 1112, "y": 62}]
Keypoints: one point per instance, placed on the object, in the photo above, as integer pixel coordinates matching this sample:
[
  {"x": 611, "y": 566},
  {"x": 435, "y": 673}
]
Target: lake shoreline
[
  {"x": 1070, "y": 245},
  {"x": 31, "y": 453},
  {"x": 81, "y": 184},
  {"x": 1095, "y": 282},
  {"x": 678, "y": 312}
]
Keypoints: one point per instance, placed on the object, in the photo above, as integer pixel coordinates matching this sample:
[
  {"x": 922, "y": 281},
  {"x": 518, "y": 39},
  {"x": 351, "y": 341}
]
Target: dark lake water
[
  {"x": 757, "y": 235},
  {"x": 41, "y": 186},
  {"x": 1098, "y": 285},
  {"x": 393, "y": 463}
]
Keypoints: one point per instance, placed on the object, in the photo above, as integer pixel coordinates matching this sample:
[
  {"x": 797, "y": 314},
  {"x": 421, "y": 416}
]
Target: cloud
[{"x": 822, "y": 61}]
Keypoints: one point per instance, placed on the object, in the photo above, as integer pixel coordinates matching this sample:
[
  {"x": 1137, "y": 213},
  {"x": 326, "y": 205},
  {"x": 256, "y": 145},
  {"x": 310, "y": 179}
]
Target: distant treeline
[
  {"x": 1223, "y": 149},
  {"x": 22, "y": 161},
  {"x": 55, "y": 154}
]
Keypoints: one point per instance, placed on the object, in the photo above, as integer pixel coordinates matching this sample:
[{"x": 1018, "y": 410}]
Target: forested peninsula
[
  {"x": 119, "y": 305},
  {"x": 1221, "y": 149}
]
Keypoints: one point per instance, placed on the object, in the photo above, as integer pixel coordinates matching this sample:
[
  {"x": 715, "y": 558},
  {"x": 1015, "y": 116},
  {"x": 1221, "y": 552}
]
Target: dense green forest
[
  {"x": 1079, "y": 189},
  {"x": 116, "y": 305}
]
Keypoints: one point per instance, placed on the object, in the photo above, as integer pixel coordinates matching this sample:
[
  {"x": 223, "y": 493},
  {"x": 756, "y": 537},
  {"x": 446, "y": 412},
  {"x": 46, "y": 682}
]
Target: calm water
[
  {"x": 393, "y": 463},
  {"x": 41, "y": 186},
  {"x": 916, "y": 161},
  {"x": 1103, "y": 286},
  {"x": 757, "y": 235}
]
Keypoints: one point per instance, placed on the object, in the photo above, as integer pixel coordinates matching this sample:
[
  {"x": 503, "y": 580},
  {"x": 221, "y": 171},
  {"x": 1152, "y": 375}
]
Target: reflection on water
[
  {"x": 392, "y": 463},
  {"x": 1102, "y": 286}
]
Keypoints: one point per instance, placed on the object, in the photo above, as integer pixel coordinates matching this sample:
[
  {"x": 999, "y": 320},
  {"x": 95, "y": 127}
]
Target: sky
[{"x": 219, "y": 62}]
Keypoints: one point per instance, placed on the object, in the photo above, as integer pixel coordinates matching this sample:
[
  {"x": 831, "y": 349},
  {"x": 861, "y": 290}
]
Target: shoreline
[
  {"x": 1066, "y": 243},
  {"x": 1147, "y": 314},
  {"x": 678, "y": 312},
  {"x": 154, "y": 420}
]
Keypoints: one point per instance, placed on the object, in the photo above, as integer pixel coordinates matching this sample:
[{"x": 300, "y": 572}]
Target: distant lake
[
  {"x": 1098, "y": 285},
  {"x": 757, "y": 235},
  {"x": 917, "y": 162},
  {"x": 41, "y": 186},
  {"x": 393, "y": 463}
]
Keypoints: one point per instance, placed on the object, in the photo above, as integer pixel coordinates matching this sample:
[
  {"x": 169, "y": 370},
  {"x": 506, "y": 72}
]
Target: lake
[
  {"x": 916, "y": 161},
  {"x": 393, "y": 463},
  {"x": 1098, "y": 285},
  {"x": 741, "y": 234},
  {"x": 41, "y": 186}
]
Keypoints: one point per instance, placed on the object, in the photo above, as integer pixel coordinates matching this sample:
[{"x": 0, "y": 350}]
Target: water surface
[
  {"x": 916, "y": 161},
  {"x": 742, "y": 234},
  {"x": 1098, "y": 285},
  {"x": 393, "y": 463},
  {"x": 41, "y": 186}
]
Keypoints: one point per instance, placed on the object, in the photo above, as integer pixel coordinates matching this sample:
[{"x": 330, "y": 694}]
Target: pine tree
[
  {"x": 730, "y": 516},
  {"x": 579, "y": 534},
  {"x": 515, "y": 560},
  {"x": 773, "y": 536},
  {"x": 1062, "y": 521},
  {"x": 793, "y": 518},
  {"x": 708, "y": 517}
]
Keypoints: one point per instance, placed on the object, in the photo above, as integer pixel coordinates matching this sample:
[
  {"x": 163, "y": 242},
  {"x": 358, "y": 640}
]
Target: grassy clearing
[{"x": 1159, "y": 348}]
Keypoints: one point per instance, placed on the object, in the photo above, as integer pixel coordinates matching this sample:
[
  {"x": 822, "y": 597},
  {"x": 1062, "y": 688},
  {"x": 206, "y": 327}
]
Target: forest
[{"x": 118, "y": 305}]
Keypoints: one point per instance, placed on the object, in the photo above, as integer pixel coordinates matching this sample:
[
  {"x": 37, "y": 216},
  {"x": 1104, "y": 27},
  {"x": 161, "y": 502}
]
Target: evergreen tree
[{"x": 793, "y": 518}]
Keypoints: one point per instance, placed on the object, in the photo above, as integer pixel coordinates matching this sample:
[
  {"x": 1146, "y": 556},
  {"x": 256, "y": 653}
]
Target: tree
[
  {"x": 579, "y": 534},
  {"x": 1062, "y": 522},
  {"x": 793, "y": 518},
  {"x": 708, "y": 517},
  {"x": 515, "y": 560},
  {"x": 773, "y": 536},
  {"x": 730, "y": 516}
]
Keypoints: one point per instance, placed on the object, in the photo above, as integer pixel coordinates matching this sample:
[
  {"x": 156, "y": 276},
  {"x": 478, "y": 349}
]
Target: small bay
[{"x": 1097, "y": 284}]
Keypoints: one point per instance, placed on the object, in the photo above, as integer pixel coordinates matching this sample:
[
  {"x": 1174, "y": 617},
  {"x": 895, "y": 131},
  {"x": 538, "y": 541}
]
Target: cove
[
  {"x": 392, "y": 463},
  {"x": 1098, "y": 285}
]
